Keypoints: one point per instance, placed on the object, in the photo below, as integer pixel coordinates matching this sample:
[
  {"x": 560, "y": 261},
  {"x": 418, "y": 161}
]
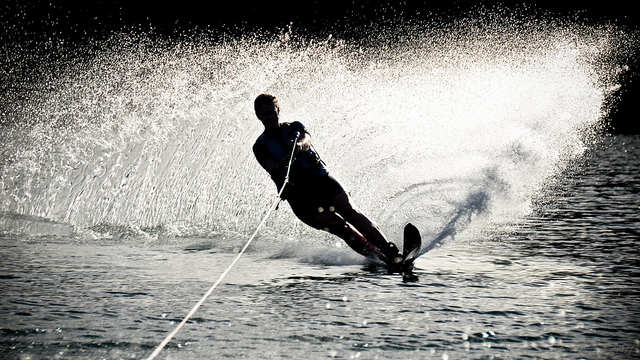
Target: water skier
[{"x": 315, "y": 197}]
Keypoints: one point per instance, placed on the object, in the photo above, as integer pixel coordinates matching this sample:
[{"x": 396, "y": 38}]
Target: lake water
[
  {"x": 563, "y": 285},
  {"x": 127, "y": 186}
]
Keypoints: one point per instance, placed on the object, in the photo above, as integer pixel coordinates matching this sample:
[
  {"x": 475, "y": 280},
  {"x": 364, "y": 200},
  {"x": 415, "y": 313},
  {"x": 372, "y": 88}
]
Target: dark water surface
[{"x": 564, "y": 285}]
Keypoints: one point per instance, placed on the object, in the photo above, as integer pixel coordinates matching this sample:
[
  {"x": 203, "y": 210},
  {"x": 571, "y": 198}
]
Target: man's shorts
[{"x": 307, "y": 197}]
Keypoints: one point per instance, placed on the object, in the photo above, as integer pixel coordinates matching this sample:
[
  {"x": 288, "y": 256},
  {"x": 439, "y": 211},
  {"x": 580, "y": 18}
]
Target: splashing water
[{"x": 443, "y": 127}]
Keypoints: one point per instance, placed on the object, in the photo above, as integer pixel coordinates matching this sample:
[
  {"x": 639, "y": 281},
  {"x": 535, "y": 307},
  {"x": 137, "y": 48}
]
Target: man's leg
[
  {"x": 331, "y": 222},
  {"x": 366, "y": 227},
  {"x": 327, "y": 220}
]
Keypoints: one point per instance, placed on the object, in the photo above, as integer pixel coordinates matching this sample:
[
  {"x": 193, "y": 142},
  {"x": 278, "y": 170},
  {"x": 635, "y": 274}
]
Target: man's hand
[{"x": 304, "y": 142}]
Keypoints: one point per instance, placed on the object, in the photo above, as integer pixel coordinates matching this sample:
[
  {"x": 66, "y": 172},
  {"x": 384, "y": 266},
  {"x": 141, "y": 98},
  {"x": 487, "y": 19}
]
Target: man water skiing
[{"x": 315, "y": 197}]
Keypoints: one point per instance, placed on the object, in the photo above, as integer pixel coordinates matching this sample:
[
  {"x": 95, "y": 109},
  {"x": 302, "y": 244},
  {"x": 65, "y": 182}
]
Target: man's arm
[
  {"x": 274, "y": 169},
  {"x": 270, "y": 166},
  {"x": 266, "y": 162}
]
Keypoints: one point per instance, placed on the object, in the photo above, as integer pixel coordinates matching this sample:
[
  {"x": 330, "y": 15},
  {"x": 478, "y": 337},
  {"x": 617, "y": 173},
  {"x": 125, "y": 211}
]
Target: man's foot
[{"x": 394, "y": 259}]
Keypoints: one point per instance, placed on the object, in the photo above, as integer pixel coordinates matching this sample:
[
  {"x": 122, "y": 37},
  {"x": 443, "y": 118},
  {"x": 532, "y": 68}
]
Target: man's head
[
  {"x": 263, "y": 99},
  {"x": 267, "y": 110}
]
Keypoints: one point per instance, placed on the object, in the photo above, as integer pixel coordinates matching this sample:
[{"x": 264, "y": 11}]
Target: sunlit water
[{"x": 128, "y": 184}]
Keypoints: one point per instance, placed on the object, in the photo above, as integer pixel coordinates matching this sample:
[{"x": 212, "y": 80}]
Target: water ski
[
  {"x": 412, "y": 245},
  {"x": 410, "y": 251}
]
